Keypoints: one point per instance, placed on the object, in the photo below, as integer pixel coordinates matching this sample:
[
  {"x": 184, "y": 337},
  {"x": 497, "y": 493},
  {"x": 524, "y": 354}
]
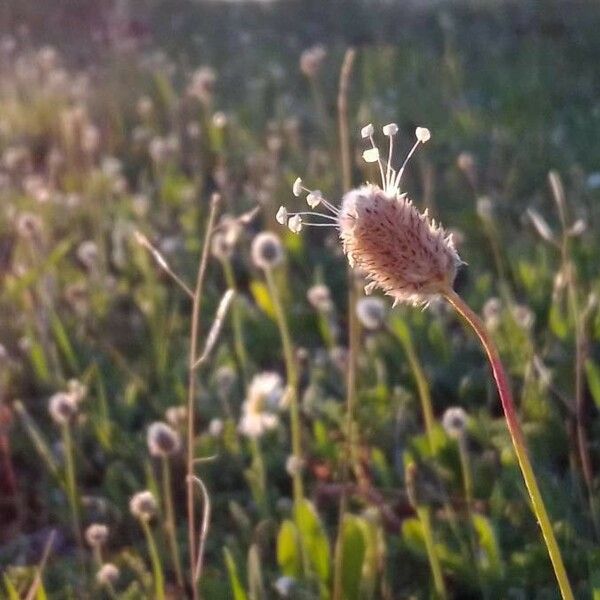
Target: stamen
[
  {"x": 313, "y": 214},
  {"x": 378, "y": 160},
  {"x": 401, "y": 170},
  {"x": 391, "y": 129}
]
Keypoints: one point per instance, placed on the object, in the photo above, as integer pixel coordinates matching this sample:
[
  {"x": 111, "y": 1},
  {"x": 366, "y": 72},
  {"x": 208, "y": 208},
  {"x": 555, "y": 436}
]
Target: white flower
[
  {"x": 62, "y": 407},
  {"x": 162, "y": 440},
  {"x": 264, "y": 398},
  {"x": 96, "y": 534},
  {"x": 143, "y": 505},
  {"x": 108, "y": 574}
]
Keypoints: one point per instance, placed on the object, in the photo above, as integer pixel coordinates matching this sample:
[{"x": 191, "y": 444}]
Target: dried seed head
[
  {"x": 267, "y": 251},
  {"x": 371, "y": 312},
  {"x": 401, "y": 251},
  {"x": 96, "y": 535},
  {"x": 162, "y": 440},
  {"x": 454, "y": 421},
  {"x": 143, "y": 505},
  {"x": 176, "y": 416},
  {"x": 62, "y": 407},
  {"x": 108, "y": 574}
]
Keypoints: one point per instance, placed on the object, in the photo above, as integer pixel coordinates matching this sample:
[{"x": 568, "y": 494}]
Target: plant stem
[
  {"x": 236, "y": 321},
  {"x": 191, "y": 397},
  {"x": 292, "y": 382},
  {"x": 422, "y": 386},
  {"x": 159, "y": 580},
  {"x": 170, "y": 519},
  {"x": 436, "y": 569},
  {"x": 518, "y": 439},
  {"x": 72, "y": 485},
  {"x": 353, "y": 328}
]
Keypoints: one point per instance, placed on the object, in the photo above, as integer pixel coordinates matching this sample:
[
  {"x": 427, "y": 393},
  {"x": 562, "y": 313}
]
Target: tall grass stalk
[
  {"x": 157, "y": 570},
  {"x": 292, "y": 382},
  {"x": 569, "y": 270},
  {"x": 434, "y": 562},
  {"x": 191, "y": 396},
  {"x": 518, "y": 439},
  {"x": 170, "y": 525},
  {"x": 72, "y": 494},
  {"x": 353, "y": 325}
]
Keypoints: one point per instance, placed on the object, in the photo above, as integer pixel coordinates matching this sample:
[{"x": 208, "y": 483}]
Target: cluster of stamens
[{"x": 390, "y": 180}]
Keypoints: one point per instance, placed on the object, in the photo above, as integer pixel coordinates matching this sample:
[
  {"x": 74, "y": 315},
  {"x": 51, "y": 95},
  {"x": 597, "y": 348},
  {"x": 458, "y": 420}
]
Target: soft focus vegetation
[{"x": 118, "y": 124}]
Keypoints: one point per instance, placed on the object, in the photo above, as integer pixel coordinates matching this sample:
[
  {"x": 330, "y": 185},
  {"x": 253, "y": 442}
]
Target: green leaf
[
  {"x": 288, "y": 550},
  {"x": 412, "y": 534},
  {"x": 62, "y": 339},
  {"x": 11, "y": 590},
  {"x": 489, "y": 544},
  {"x": 353, "y": 555},
  {"x": 593, "y": 379},
  {"x": 559, "y": 325},
  {"x": 236, "y": 587},
  {"x": 261, "y": 295},
  {"x": 313, "y": 538}
]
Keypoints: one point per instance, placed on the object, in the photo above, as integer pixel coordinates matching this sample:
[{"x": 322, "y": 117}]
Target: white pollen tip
[
  {"x": 314, "y": 198},
  {"x": 282, "y": 215},
  {"x": 390, "y": 129},
  {"x": 295, "y": 224},
  {"x": 367, "y": 131},
  {"x": 371, "y": 155},
  {"x": 297, "y": 187},
  {"x": 423, "y": 134}
]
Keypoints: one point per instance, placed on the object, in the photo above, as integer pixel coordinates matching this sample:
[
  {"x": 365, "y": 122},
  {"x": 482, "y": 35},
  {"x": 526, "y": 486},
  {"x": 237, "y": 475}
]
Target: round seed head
[
  {"x": 400, "y": 250},
  {"x": 143, "y": 505},
  {"x": 108, "y": 574},
  {"x": 176, "y": 416},
  {"x": 294, "y": 465},
  {"x": 96, "y": 535},
  {"x": 162, "y": 439},
  {"x": 267, "y": 251},
  {"x": 319, "y": 297},
  {"x": 371, "y": 312},
  {"x": 62, "y": 407},
  {"x": 215, "y": 427},
  {"x": 454, "y": 421}
]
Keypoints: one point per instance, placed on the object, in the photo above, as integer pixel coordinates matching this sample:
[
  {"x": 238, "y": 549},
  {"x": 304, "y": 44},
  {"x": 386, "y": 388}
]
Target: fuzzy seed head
[
  {"x": 96, "y": 535},
  {"x": 267, "y": 251},
  {"x": 454, "y": 421},
  {"x": 162, "y": 440},
  {"x": 371, "y": 312},
  {"x": 143, "y": 505},
  {"x": 62, "y": 407},
  {"x": 400, "y": 249},
  {"x": 108, "y": 574}
]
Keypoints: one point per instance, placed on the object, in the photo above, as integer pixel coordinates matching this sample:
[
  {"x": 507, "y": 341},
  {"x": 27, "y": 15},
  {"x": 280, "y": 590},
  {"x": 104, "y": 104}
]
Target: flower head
[
  {"x": 371, "y": 312},
  {"x": 454, "y": 421},
  {"x": 267, "y": 251},
  {"x": 162, "y": 439},
  {"x": 143, "y": 505},
  {"x": 401, "y": 250},
  {"x": 108, "y": 574},
  {"x": 62, "y": 407},
  {"x": 264, "y": 398},
  {"x": 96, "y": 535}
]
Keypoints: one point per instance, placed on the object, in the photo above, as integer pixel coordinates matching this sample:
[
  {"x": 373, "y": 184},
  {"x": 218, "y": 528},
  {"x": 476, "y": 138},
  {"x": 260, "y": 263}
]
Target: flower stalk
[{"x": 517, "y": 437}]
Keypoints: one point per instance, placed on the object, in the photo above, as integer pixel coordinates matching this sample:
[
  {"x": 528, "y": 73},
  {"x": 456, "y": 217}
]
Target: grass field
[{"x": 157, "y": 320}]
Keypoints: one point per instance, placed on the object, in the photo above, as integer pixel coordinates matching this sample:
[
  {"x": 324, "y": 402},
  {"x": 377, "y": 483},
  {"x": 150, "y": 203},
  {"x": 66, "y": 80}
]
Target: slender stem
[
  {"x": 466, "y": 472},
  {"x": 72, "y": 485},
  {"x": 436, "y": 569},
  {"x": 236, "y": 320},
  {"x": 170, "y": 520},
  {"x": 159, "y": 579},
  {"x": 422, "y": 387},
  {"x": 194, "y": 330},
  {"x": 292, "y": 381},
  {"x": 260, "y": 483},
  {"x": 353, "y": 328},
  {"x": 518, "y": 439}
]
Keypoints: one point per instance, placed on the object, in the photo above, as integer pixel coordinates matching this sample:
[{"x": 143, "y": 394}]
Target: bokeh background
[{"x": 117, "y": 117}]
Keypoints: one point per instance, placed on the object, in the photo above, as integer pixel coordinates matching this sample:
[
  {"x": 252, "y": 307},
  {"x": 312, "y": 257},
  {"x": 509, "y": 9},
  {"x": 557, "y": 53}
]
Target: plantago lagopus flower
[{"x": 401, "y": 250}]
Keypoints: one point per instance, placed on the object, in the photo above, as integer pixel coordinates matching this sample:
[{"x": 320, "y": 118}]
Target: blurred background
[{"x": 124, "y": 117}]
